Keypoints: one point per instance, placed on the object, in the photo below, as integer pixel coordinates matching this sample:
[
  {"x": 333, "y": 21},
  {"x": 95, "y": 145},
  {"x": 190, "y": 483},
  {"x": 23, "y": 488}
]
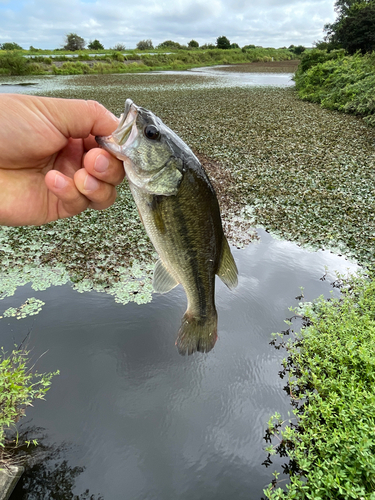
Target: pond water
[
  {"x": 142, "y": 422},
  {"x": 204, "y": 77},
  {"x": 128, "y": 418}
]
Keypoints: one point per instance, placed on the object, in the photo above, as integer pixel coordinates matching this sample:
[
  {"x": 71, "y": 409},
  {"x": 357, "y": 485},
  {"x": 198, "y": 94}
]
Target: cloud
[{"x": 276, "y": 23}]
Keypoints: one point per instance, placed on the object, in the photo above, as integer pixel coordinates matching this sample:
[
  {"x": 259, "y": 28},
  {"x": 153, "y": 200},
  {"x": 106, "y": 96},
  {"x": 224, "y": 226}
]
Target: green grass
[{"x": 330, "y": 370}]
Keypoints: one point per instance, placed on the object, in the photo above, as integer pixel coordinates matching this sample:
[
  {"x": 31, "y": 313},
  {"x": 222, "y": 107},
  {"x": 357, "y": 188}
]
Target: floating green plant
[
  {"x": 30, "y": 307},
  {"x": 302, "y": 172}
]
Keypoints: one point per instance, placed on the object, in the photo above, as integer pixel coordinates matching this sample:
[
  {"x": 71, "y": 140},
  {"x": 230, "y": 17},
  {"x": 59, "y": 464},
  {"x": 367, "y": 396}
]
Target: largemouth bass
[{"x": 180, "y": 212}]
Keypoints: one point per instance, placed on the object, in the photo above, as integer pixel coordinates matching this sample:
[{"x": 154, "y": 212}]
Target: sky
[{"x": 268, "y": 23}]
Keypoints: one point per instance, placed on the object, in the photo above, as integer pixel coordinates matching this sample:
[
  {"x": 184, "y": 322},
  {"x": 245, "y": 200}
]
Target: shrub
[
  {"x": 72, "y": 68},
  {"x": 145, "y": 45},
  {"x": 119, "y": 47},
  {"x": 74, "y": 42},
  {"x": 13, "y": 63},
  {"x": 169, "y": 44},
  {"x": 331, "y": 377},
  {"x": 193, "y": 44},
  {"x": 117, "y": 56},
  {"x": 95, "y": 45},
  {"x": 341, "y": 83},
  {"x": 10, "y": 46},
  {"x": 19, "y": 388},
  {"x": 222, "y": 42}
]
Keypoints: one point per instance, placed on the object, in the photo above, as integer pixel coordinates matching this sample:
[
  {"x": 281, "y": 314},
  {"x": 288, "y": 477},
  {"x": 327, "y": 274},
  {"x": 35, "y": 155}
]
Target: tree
[
  {"x": 193, "y": 44},
  {"x": 354, "y": 28},
  {"x": 222, "y": 42},
  {"x": 234, "y": 46},
  {"x": 297, "y": 50},
  {"x": 169, "y": 44},
  {"x": 357, "y": 31},
  {"x": 145, "y": 45},
  {"x": 95, "y": 45},
  {"x": 74, "y": 42},
  {"x": 10, "y": 46}
]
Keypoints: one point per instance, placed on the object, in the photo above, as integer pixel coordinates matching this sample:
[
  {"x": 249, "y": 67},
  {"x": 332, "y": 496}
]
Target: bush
[
  {"x": 72, "y": 68},
  {"x": 19, "y": 388},
  {"x": 117, "y": 56},
  {"x": 222, "y": 42},
  {"x": 169, "y": 44},
  {"x": 74, "y": 42},
  {"x": 145, "y": 45},
  {"x": 193, "y": 44},
  {"x": 337, "y": 82},
  {"x": 95, "y": 45},
  {"x": 13, "y": 63},
  {"x": 10, "y": 46},
  {"x": 331, "y": 377},
  {"x": 119, "y": 47}
]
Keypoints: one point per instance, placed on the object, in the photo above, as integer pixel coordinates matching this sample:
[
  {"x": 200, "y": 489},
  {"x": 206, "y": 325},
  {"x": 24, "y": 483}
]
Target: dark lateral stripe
[{"x": 183, "y": 231}]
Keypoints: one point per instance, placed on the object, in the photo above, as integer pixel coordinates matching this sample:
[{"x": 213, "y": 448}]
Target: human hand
[{"x": 50, "y": 164}]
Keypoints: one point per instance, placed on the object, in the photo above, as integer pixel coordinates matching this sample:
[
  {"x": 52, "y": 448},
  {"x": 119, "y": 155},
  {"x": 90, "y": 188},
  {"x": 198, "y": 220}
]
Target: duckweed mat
[{"x": 303, "y": 173}]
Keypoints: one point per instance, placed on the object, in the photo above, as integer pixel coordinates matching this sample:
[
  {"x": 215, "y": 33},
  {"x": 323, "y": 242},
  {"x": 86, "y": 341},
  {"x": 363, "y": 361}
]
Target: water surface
[
  {"x": 144, "y": 422},
  {"x": 128, "y": 418}
]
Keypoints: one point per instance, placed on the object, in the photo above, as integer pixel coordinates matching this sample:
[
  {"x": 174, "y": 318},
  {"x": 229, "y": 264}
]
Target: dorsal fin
[
  {"x": 163, "y": 280},
  {"x": 227, "y": 271}
]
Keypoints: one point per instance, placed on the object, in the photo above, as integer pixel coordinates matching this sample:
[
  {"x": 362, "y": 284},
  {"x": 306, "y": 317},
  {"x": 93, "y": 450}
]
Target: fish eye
[{"x": 151, "y": 132}]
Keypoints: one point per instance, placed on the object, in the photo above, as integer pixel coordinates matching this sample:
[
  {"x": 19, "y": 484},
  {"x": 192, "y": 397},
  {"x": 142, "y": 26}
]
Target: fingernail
[
  {"x": 101, "y": 163},
  {"x": 60, "y": 181},
  {"x": 90, "y": 184}
]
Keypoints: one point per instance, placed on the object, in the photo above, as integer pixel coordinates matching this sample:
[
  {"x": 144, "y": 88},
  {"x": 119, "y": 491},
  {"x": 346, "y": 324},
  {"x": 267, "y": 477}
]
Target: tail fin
[{"x": 197, "y": 333}]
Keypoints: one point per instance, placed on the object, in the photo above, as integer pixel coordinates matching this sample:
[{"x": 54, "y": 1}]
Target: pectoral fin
[
  {"x": 163, "y": 280},
  {"x": 227, "y": 271}
]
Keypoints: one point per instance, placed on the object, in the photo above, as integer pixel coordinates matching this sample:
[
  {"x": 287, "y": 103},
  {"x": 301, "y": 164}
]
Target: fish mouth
[{"x": 125, "y": 132}]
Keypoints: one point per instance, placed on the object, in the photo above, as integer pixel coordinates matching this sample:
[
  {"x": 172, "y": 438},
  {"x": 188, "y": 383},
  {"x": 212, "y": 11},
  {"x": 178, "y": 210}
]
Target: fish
[{"x": 178, "y": 207}]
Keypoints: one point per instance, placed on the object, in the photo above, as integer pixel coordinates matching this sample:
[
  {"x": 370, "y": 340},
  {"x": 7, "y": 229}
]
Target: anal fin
[
  {"x": 227, "y": 271},
  {"x": 163, "y": 281}
]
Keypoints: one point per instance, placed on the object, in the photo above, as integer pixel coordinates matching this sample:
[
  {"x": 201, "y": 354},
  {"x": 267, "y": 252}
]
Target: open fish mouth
[{"x": 125, "y": 133}]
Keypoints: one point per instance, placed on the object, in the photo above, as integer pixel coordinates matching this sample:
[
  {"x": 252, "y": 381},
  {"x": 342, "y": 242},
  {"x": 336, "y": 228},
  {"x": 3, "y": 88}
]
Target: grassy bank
[
  {"x": 330, "y": 371},
  {"x": 14, "y": 63},
  {"x": 336, "y": 81}
]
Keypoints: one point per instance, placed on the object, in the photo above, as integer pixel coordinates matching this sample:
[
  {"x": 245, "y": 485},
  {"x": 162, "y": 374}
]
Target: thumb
[{"x": 78, "y": 118}]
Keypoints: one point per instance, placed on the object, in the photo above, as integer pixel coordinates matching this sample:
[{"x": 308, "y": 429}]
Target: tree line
[{"x": 74, "y": 42}]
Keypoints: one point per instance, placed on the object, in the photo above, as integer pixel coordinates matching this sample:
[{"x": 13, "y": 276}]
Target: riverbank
[{"x": 15, "y": 63}]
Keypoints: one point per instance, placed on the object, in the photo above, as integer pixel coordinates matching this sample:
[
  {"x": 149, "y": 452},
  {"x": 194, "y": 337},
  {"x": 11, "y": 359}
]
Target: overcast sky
[{"x": 269, "y": 23}]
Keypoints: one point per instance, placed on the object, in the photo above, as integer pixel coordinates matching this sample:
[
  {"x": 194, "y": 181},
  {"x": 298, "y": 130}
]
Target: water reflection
[
  {"x": 47, "y": 475},
  {"x": 148, "y": 423}
]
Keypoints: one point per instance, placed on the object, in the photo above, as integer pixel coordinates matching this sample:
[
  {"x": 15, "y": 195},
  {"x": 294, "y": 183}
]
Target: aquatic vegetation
[
  {"x": 302, "y": 172},
  {"x": 30, "y": 307},
  {"x": 330, "y": 375}
]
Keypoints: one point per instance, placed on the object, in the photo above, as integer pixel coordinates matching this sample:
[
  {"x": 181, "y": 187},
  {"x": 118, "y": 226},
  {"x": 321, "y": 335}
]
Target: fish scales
[
  {"x": 178, "y": 244},
  {"x": 179, "y": 209}
]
